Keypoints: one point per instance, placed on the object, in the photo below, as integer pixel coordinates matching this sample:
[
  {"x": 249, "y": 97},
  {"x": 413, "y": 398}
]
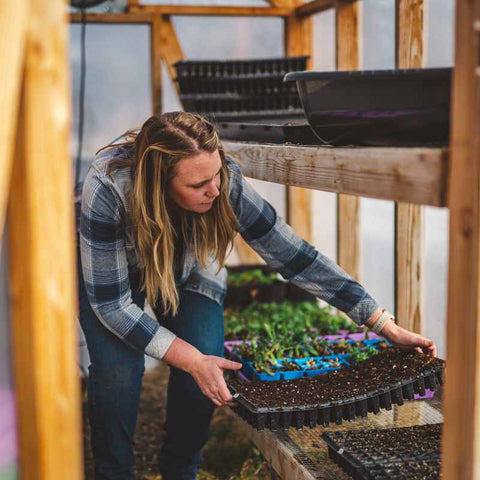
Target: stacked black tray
[
  {"x": 239, "y": 89},
  {"x": 386, "y": 453},
  {"x": 336, "y": 412}
]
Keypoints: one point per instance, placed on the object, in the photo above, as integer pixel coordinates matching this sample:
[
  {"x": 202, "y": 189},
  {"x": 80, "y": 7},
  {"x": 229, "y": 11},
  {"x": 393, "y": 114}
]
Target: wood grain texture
[
  {"x": 13, "y": 23},
  {"x": 170, "y": 48},
  {"x": 408, "y": 218},
  {"x": 417, "y": 175},
  {"x": 313, "y": 7},
  {"x": 41, "y": 258},
  {"x": 461, "y": 434},
  {"x": 348, "y": 207},
  {"x": 156, "y": 64},
  {"x": 131, "y": 17},
  {"x": 193, "y": 10},
  {"x": 298, "y": 38}
]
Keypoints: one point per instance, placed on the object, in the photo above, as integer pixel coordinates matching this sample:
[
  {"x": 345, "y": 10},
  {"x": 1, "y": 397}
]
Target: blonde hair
[{"x": 160, "y": 144}]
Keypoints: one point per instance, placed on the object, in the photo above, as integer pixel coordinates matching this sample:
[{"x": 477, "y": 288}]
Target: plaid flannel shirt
[{"x": 111, "y": 267}]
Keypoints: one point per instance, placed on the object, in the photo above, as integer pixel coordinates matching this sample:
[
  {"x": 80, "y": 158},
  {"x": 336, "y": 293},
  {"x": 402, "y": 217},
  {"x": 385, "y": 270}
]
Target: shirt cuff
[{"x": 160, "y": 343}]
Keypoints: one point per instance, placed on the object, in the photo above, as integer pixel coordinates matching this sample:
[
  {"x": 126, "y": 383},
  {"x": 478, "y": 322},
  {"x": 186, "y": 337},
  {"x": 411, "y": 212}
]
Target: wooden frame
[
  {"x": 41, "y": 242},
  {"x": 408, "y": 217},
  {"x": 413, "y": 175},
  {"x": 348, "y": 207}
]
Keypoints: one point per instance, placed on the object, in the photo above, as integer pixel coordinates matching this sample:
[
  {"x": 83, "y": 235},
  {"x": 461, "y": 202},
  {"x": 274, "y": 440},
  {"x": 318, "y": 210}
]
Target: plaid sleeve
[
  {"x": 295, "y": 259},
  {"x": 105, "y": 271}
]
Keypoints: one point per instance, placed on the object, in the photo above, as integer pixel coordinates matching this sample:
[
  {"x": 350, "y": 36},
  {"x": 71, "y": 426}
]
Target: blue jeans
[{"x": 115, "y": 382}]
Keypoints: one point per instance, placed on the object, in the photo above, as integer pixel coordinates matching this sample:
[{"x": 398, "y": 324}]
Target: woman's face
[{"x": 196, "y": 183}]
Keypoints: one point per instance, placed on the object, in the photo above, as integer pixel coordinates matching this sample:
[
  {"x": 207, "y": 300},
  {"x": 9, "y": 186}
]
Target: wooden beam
[
  {"x": 408, "y": 217},
  {"x": 348, "y": 206},
  {"x": 298, "y": 38},
  {"x": 41, "y": 258},
  {"x": 156, "y": 63},
  {"x": 461, "y": 433},
  {"x": 170, "y": 48},
  {"x": 13, "y": 23},
  {"x": 135, "y": 17},
  {"x": 417, "y": 175},
  {"x": 192, "y": 10},
  {"x": 313, "y": 7}
]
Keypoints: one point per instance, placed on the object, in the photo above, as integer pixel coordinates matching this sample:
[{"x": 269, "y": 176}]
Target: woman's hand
[
  {"x": 207, "y": 370},
  {"x": 208, "y": 373},
  {"x": 402, "y": 337}
]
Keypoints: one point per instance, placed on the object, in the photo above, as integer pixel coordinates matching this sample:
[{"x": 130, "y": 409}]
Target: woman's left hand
[{"x": 402, "y": 337}]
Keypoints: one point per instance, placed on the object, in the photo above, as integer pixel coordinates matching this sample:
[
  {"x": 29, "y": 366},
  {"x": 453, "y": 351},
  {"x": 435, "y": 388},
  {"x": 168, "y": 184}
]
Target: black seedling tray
[
  {"x": 227, "y": 68},
  {"x": 337, "y": 411},
  {"x": 382, "y": 107},
  {"x": 265, "y": 132},
  {"x": 205, "y": 103},
  {"x": 242, "y": 85},
  {"x": 366, "y": 458}
]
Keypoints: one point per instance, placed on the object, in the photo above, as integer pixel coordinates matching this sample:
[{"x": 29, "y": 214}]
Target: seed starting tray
[
  {"x": 276, "y": 132},
  {"x": 367, "y": 458},
  {"x": 241, "y": 84},
  {"x": 227, "y": 68},
  {"x": 340, "y": 410},
  {"x": 322, "y": 363},
  {"x": 232, "y": 102}
]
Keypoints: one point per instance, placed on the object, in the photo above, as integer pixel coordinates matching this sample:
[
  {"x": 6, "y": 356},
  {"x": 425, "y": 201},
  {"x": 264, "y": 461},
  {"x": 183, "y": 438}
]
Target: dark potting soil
[
  {"x": 386, "y": 368},
  {"x": 420, "y": 442},
  {"x": 405, "y": 471}
]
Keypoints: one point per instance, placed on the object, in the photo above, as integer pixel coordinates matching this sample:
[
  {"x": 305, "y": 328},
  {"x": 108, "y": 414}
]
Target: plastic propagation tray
[
  {"x": 277, "y": 132},
  {"x": 377, "y": 107},
  {"x": 369, "y": 454},
  {"x": 338, "y": 411},
  {"x": 233, "y": 102},
  {"x": 256, "y": 84},
  {"x": 229, "y": 68},
  {"x": 323, "y": 363}
]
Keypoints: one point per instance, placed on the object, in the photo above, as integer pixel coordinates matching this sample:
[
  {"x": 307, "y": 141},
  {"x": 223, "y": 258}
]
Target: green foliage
[
  {"x": 288, "y": 317},
  {"x": 282, "y": 330},
  {"x": 251, "y": 277}
]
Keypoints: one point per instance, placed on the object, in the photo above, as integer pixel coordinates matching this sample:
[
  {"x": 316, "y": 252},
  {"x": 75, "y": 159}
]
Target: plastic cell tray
[
  {"x": 369, "y": 454},
  {"x": 241, "y": 84},
  {"x": 228, "y": 68},
  {"x": 297, "y": 133},
  {"x": 382, "y": 107},
  {"x": 337, "y": 411},
  {"x": 217, "y": 103}
]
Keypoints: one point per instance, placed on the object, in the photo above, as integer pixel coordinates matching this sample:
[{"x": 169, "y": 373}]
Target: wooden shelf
[{"x": 414, "y": 175}]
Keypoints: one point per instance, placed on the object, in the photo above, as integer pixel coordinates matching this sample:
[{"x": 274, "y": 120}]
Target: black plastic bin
[{"x": 377, "y": 107}]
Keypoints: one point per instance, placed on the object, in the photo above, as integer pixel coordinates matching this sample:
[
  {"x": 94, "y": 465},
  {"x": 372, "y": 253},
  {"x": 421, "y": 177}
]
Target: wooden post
[
  {"x": 348, "y": 206},
  {"x": 41, "y": 258},
  {"x": 298, "y": 41},
  {"x": 156, "y": 63},
  {"x": 461, "y": 435},
  {"x": 13, "y": 23},
  {"x": 408, "y": 217},
  {"x": 170, "y": 47}
]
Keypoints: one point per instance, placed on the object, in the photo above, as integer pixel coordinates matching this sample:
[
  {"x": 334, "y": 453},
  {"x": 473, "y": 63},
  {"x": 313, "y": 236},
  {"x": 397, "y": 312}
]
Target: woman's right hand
[
  {"x": 207, "y": 370},
  {"x": 208, "y": 373}
]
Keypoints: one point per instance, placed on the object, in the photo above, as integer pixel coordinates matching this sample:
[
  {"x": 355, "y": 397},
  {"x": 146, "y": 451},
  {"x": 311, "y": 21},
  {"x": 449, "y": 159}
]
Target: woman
[{"x": 158, "y": 215}]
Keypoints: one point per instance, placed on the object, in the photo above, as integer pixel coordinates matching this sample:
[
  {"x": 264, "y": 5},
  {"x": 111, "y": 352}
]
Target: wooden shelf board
[{"x": 415, "y": 175}]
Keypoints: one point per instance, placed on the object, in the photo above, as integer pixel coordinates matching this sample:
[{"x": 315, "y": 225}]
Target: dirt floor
[{"x": 228, "y": 454}]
